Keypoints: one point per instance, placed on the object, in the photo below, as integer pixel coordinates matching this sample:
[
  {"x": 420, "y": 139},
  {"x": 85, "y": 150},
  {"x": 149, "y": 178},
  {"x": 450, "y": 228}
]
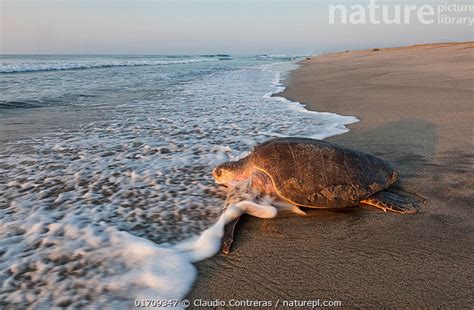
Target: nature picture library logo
[{"x": 376, "y": 12}]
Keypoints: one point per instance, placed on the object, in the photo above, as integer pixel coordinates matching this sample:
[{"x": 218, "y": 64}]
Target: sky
[{"x": 201, "y": 27}]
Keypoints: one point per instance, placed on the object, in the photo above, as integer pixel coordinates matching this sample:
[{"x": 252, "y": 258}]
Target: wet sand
[{"x": 416, "y": 106}]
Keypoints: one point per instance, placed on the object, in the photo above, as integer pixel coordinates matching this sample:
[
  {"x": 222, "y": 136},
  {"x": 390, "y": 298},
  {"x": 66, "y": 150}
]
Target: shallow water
[{"x": 105, "y": 165}]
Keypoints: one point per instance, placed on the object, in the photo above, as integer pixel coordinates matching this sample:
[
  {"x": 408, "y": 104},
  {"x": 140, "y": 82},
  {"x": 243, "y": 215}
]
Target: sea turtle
[{"x": 303, "y": 172}]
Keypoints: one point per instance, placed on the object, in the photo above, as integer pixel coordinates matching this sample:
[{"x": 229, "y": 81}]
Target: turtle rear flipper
[
  {"x": 388, "y": 201},
  {"x": 228, "y": 237}
]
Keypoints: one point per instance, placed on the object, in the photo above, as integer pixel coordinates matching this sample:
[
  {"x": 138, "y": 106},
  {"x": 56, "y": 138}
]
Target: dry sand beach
[{"x": 416, "y": 110}]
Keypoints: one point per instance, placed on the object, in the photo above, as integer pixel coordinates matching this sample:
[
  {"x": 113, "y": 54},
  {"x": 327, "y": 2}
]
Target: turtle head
[{"x": 229, "y": 173}]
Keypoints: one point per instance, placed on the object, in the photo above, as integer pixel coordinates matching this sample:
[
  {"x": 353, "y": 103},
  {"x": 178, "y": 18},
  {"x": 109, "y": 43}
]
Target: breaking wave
[{"x": 82, "y": 65}]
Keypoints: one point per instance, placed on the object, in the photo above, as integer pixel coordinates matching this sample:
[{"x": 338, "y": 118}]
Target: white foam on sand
[
  {"x": 335, "y": 124},
  {"x": 135, "y": 268},
  {"x": 209, "y": 242},
  {"x": 167, "y": 273}
]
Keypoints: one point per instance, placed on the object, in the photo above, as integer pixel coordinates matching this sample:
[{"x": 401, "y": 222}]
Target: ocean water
[{"x": 105, "y": 161}]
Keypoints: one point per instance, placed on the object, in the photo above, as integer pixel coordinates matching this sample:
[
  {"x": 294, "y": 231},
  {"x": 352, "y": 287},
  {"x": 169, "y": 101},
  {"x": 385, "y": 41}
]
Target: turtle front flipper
[
  {"x": 388, "y": 201},
  {"x": 228, "y": 237}
]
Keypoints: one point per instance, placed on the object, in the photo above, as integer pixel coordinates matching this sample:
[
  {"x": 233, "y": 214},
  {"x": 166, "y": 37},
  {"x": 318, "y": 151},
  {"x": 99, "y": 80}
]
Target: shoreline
[
  {"x": 415, "y": 109},
  {"x": 333, "y": 100}
]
